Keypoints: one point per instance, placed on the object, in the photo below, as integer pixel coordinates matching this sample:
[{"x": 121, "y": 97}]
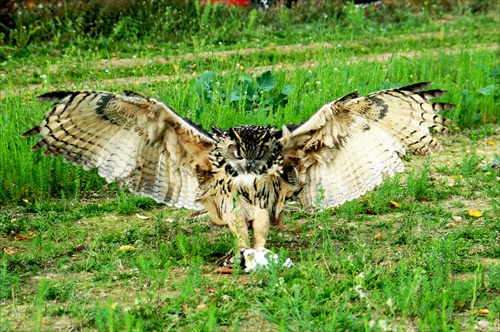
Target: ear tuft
[
  {"x": 218, "y": 132},
  {"x": 286, "y": 137},
  {"x": 234, "y": 134}
]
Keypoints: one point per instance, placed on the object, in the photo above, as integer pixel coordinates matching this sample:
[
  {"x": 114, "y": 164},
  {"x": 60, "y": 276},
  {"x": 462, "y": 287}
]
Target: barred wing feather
[
  {"x": 139, "y": 141},
  {"x": 347, "y": 147}
]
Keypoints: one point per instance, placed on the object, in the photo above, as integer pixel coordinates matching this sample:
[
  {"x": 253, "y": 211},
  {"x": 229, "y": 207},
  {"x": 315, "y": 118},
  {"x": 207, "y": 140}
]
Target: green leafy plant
[
  {"x": 251, "y": 95},
  {"x": 261, "y": 93}
]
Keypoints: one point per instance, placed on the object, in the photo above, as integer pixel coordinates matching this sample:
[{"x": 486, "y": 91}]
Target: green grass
[
  {"x": 57, "y": 69},
  {"x": 426, "y": 264}
]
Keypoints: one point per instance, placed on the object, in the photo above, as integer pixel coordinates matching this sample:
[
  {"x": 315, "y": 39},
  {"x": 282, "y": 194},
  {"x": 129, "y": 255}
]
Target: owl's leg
[
  {"x": 261, "y": 224},
  {"x": 238, "y": 226},
  {"x": 225, "y": 214}
]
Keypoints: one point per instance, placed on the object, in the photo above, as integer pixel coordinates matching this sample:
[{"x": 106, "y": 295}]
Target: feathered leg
[
  {"x": 260, "y": 225},
  {"x": 238, "y": 226}
]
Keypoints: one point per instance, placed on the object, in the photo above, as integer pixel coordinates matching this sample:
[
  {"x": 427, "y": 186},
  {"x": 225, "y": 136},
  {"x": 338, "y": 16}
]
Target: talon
[{"x": 227, "y": 260}]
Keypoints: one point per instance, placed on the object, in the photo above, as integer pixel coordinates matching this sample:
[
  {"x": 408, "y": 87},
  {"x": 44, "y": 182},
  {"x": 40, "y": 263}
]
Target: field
[{"x": 420, "y": 253}]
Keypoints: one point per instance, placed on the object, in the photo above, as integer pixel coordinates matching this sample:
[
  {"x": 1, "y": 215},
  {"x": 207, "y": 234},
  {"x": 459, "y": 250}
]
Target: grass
[{"x": 412, "y": 255}]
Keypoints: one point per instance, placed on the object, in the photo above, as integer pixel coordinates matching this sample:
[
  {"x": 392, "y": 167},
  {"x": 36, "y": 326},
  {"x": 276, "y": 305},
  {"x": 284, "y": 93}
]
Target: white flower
[
  {"x": 360, "y": 292},
  {"x": 389, "y": 302}
]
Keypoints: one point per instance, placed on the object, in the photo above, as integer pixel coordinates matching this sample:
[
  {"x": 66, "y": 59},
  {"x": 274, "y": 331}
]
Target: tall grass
[{"x": 52, "y": 27}]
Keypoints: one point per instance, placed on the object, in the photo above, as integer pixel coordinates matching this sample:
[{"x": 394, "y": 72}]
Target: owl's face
[{"x": 247, "y": 149}]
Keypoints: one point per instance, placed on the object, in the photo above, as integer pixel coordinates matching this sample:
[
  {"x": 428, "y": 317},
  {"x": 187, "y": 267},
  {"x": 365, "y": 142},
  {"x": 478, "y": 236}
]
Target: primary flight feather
[{"x": 243, "y": 175}]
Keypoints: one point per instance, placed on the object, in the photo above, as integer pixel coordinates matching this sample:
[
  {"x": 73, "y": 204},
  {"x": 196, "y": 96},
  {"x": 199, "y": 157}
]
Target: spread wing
[
  {"x": 137, "y": 140},
  {"x": 349, "y": 145}
]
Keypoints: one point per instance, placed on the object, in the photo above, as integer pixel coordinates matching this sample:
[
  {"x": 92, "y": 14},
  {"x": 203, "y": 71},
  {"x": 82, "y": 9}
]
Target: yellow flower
[{"x": 475, "y": 213}]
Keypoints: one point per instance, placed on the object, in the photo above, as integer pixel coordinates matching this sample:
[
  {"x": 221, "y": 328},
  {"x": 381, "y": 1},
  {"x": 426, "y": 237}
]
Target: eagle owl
[{"x": 242, "y": 176}]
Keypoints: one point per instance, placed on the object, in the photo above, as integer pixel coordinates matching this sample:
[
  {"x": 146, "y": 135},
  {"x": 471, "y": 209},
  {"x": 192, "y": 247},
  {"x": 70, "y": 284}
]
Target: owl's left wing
[
  {"x": 347, "y": 147},
  {"x": 136, "y": 140}
]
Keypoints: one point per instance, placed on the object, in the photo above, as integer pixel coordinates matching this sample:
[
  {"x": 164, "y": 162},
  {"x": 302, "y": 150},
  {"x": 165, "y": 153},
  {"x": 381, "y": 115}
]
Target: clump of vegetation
[
  {"x": 63, "y": 22},
  {"x": 259, "y": 95},
  {"x": 178, "y": 21}
]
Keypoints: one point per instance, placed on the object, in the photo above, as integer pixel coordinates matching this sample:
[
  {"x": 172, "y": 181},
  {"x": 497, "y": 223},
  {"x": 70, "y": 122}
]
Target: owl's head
[{"x": 247, "y": 149}]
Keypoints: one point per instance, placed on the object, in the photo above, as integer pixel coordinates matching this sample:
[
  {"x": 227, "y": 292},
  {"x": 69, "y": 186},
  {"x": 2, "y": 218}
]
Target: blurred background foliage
[{"x": 62, "y": 22}]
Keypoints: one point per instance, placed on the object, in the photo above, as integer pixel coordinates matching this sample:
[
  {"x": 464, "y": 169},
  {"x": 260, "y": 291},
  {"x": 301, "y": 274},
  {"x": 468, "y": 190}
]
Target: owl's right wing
[
  {"x": 137, "y": 140},
  {"x": 347, "y": 147}
]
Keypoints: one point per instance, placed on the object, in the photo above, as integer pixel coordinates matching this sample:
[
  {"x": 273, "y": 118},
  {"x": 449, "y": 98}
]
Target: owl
[{"x": 243, "y": 175}]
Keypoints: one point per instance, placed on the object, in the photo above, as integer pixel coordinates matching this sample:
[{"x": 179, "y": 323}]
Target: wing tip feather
[
  {"x": 54, "y": 96},
  {"x": 416, "y": 86},
  {"x": 32, "y": 132}
]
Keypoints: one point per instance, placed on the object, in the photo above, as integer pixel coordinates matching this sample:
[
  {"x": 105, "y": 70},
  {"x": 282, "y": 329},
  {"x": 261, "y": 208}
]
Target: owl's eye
[{"x": 237, "y": 154}]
